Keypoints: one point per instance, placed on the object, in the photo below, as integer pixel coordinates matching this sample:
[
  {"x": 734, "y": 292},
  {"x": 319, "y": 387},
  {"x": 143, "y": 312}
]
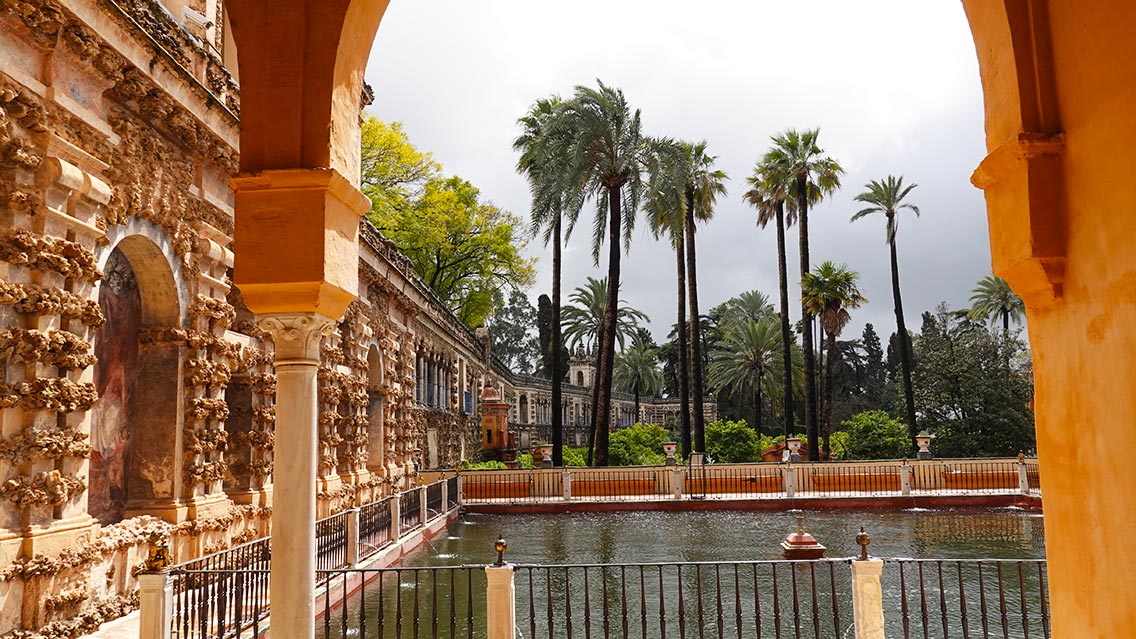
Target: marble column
[{"x": 292, "y": 585}]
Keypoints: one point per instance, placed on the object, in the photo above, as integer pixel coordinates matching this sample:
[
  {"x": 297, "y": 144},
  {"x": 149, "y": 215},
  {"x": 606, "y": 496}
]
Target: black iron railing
[
  {"x": 451, "y": 492},
  {"x": 712, "y": 599},
  {"x": 729, "y": 480},
  {"x": 967, "y": 598},
  {"x": 374, "y": 527},
  {"x": 331, "y": 542},
  {"x": 409, "y": 511},
  {"x": 434, "y": 498},
  {"x": 1033, "y": 477},
  {"x": 969, "y": 476},
  {"x": 442, "y": 602},
  {"x": 222, "y": 594}
]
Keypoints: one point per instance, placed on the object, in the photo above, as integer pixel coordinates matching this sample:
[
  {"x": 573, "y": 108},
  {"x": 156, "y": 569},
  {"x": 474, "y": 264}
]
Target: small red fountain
[{"x": 802, "y": 545}]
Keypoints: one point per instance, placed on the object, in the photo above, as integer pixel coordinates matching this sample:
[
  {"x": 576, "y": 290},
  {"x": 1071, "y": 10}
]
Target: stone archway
[
  {"x": 1059, "y": 96},
  {"x": 135, "y": 463}
]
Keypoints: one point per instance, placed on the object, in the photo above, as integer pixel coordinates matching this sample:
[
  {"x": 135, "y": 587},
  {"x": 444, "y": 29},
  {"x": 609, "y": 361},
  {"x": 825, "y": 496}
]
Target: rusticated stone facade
[{"x": 138, "y": 392}]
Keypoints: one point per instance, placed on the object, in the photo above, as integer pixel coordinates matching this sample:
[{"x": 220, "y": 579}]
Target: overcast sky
[{"x": 892, "y": 84}]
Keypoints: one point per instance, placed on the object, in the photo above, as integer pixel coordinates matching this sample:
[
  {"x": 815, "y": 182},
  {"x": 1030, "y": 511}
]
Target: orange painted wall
[{"x": 1084, "y": 341}]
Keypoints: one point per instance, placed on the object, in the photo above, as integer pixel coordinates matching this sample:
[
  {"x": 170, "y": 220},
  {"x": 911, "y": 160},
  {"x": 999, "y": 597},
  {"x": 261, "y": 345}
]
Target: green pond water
[{"x": 722, "y": 596}]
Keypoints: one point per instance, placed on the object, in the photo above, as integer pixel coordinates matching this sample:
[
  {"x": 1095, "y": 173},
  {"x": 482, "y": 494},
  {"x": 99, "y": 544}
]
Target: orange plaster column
[{"x": 297, "y": 267}]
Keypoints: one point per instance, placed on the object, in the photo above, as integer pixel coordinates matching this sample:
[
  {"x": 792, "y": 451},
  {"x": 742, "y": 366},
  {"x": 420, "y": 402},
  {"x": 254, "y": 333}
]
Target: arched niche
[
  {"x": 376, "y": 409},
  {"x": 134, "y": 425}
]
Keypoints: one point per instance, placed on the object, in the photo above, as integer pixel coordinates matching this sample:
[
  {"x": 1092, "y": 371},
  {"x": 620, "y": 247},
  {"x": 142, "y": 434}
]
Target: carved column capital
[{"x": 297, "y": 335}]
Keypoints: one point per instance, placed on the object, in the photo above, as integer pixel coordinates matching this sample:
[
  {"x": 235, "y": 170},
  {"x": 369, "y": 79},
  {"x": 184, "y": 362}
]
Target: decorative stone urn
[
  {"x": 923, "y": 440},
  {"x": 545, "y": 455},
  {"x": 794, "y": 444},
  {"x": 669, "y": 449}
]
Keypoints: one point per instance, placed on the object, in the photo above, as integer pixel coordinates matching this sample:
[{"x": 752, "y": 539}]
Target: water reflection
[{"x": 636, "y": 537}]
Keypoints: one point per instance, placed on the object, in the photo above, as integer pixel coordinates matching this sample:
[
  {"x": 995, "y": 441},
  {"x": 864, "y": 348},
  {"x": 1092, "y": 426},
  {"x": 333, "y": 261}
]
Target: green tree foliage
[
  {"x": 967, "y": 398},
  {"x": 392, "y": 171},
  {"x": 874, "y": 435},
  {"x": 510, "y": 328},
  {"x": 544, "y": 340},
  {"x": 584, "y": 316},
  {"x": 994, "y": 300},
  {"x": 638, "y": 445},
  {"x": 828, "y": 292},
  {"x": 748, "y": 360},
  {"x": 637, "y": 372},
  {"x": 464, "y": 249},
  {"x": 732, "y": 442},
  {"x": 875, "y": 373},
  {"x": 575, "y": 457}
]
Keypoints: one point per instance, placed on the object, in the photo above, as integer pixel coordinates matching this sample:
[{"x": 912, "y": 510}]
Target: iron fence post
[
  {"x": 352, "y": 515},
  {"x": 501, "y": 608},
  {"x": 156, "y": 605}
]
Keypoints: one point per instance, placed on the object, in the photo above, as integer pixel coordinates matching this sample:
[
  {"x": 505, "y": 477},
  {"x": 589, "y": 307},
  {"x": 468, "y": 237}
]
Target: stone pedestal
[{"x": 867, "y": 599}]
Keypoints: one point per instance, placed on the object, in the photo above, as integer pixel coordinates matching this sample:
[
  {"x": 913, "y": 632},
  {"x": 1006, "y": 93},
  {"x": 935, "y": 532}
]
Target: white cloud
[{"x": 893, "y": 85}]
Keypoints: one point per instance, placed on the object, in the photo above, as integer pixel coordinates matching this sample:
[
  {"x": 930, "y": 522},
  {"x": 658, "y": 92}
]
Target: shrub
[
  {"x": 524, "y": 460},
  {"x": 638, "y": 445},
  {"x": 485, "y": 465},
  {"x": 838, "y": 442},
  {"x": 875, "y": 435},
  {"x": 575, "y": 457},
  {"x": 732, "y": 442}
]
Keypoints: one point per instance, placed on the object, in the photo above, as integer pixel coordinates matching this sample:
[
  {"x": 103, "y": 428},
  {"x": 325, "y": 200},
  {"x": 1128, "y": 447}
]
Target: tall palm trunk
[
  {"x": 636, "y": 402},
  {"x": 557, "y": 378},
  {"x": 786, "y": 334},
  {"x": 695, "y": 330},
  {"x": 826, "y": 421},
  {"x": 904, "y": 344},
  {"x": 807, "y": 327},
  {"x": 607, "y": 348},
  {"x": 757, "y": 404},
  {"x": 592, "y": 418},
  {"x": 683, "y": 354}
]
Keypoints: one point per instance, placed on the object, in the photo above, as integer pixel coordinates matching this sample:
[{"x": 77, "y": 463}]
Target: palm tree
[
  {"x": 744, "y": 359},
  {"x": 702, "y": 184},
  {"x": 828, "y": 293},
  {"x": 584, "y": 317},
  {"x": 767, "y": 193},
  {"x": 547, "y": 218},
  {"x": 664, "y": 208},
  {"x": 887, "y": 197},
  {"x": 602, "y": 151},
  {"x": 795, "y": 155},
  {"x": 993, "y": 299},
  {"x": 747, "y": 305},
  {"x": 637, "y": 372}
]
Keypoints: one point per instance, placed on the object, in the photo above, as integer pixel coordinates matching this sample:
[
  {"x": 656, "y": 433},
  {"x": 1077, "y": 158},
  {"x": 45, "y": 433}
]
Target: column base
[{"x": 51, "y": 540}]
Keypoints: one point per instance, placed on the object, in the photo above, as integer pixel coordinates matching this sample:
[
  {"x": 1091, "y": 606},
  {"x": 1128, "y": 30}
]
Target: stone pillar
[
  {"x": 566, "y": 484},
  {"x": 867, "y": 599},
  {"x": 1023, "y": 477},
  {"x": 677, "y": 470},
  {"x": 790, "y": 481},
  {"x": 396, "y": 514},
  {"x": 352, "y": 537},
  {"x": 292, "y": 585},
  {"x": 423, "y": 508},
  {"x": 155, "y": 605},
  {"x": 501, "y": 611},
  {"x": 905, "y": 479}
]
